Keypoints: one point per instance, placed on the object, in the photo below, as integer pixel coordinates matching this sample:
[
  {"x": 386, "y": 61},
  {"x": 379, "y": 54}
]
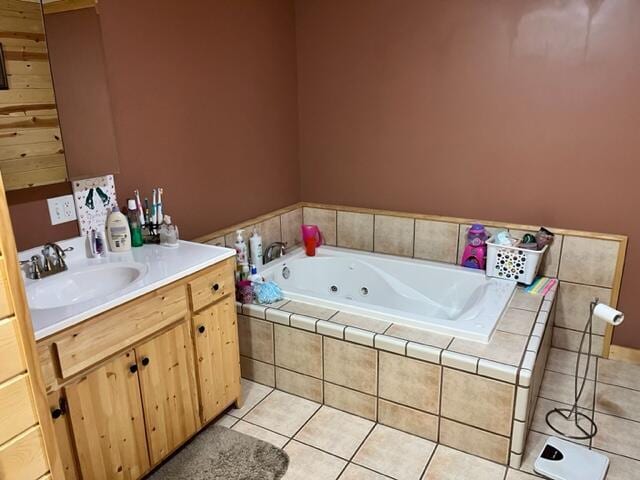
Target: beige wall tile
[
  {"x": 408, "y": 420},
  {"x": 551, "y": 259},
  {"x": 324, "y": 219},
  {"x": 409, "y": 382},
  {"x": 308, "y": 309},
  {"x": 362, "y": 322},
  {"x": 572, "y": 310},
  {"x": 230, "y": 238},
  {"x": 477, "y": 401},
  {"x": 448, "y": 464},
  {"x": 299, "y": 384},
  {"x": 256, "y": 338},
  {"x": 218, "y": 242},
  {"x": 419, "y": 335},
  {"x": 562, "y": 361},
  {"x": 269, "y": 231},
  {"x": 570, "y": 340},
  {"x": 436, "y": 241},
  {"x": 290, "y": 223},
  {"x": 355, "y": 230},
  {"x": 560, "y": 387},
  {"x": 350, "y": 401},
  {"x": 503, "y": 348},
  {"x": 260, "y": 372},
  {"x": 394, "y": 235},
  {"x": 350, "y": 365},
  {"x": 515, "y": 320},
  {"x": 588, "y": 260},
  {"x": 474, "y": 441},
  {"x": 298, "y": 350}
]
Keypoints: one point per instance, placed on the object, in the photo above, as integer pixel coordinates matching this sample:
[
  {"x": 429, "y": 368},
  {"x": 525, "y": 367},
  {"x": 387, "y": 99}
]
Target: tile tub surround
[{"x": 469, "y": 396}]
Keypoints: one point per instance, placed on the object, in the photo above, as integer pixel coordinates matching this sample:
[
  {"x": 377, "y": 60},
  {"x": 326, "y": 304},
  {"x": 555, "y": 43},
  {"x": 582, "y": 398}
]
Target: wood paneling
[
  {"x": 57, "y": 6},
  {"x": 31, "y": 150},
  {"x": 11, "y": 358},
  {"x": 16, "y": 406},
  {"x": 107, "y": 421},
  {"x": 169, "y": 391},
  {"x": 23, "y": 456}
]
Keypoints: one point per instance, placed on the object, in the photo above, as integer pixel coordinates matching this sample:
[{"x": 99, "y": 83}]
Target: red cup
[{"x": 310, "y": 246}]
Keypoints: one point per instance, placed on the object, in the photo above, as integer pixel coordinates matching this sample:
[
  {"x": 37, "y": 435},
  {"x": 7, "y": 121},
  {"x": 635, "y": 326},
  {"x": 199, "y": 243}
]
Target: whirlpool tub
[{"x": 447, "y": 299}]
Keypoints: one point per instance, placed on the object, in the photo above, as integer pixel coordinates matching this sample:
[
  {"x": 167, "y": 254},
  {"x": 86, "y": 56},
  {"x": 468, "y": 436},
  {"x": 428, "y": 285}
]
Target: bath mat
[{"x": 218, "y": 453}]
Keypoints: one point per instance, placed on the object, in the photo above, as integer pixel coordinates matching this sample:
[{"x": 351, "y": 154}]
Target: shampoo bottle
[
  {"x": 118, "y": 233},
  {"x": 255, "y": 249},
  {"x": 241, "y": 248},
  {"x": 134, "y": 223}
]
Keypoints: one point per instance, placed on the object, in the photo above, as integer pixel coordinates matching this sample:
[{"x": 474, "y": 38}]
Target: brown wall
[
  {"x": 518, "y": 111},
  {"x": 204, "y": 103}
]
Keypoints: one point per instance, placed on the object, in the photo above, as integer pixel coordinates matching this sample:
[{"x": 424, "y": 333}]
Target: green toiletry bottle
[{"x": 134, "y": 223}]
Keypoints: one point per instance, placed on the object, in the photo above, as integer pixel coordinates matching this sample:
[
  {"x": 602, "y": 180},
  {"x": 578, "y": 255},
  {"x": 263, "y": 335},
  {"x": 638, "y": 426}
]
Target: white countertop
[{"x": 163, "y": 266}]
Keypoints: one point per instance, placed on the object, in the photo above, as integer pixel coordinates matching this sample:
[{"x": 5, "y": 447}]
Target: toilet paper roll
[{"x": 607, "y": 314}]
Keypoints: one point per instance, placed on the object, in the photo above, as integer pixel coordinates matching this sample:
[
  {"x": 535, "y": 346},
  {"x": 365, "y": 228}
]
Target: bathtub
[{"x": 446, "y": 299}]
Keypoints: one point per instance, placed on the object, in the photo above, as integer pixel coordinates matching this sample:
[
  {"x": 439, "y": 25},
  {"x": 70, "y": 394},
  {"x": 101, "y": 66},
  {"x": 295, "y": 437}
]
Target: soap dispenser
[{"x": 118, "y": 233}]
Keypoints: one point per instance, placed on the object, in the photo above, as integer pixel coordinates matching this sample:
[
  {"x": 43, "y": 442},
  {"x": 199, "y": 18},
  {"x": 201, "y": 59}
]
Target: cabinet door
[
  {"x": 216, "y": 331},
  {"x": 64, "y": 438},
  {"x": 106, "y": 418},
  {"x": 169, "y": 390}
]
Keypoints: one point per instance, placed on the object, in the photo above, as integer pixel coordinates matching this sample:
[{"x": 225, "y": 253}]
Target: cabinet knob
[
  {"x": 145, "y": 361},
  {"x": 56, "y": 413},
  {"x": 201, "y": 328},
  {"x": 215, "y": 287},
  {"x": 133, "y": 368}
]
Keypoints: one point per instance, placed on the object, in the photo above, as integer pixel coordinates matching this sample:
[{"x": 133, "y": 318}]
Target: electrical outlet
[{"x": 62, "y": 209}]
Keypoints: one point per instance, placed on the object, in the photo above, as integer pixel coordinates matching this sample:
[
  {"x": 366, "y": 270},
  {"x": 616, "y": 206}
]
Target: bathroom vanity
[{"x": 133, "y": 374}]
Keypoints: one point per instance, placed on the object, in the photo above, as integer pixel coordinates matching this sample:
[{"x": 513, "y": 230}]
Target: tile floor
[{"x": 327, "y": 444}]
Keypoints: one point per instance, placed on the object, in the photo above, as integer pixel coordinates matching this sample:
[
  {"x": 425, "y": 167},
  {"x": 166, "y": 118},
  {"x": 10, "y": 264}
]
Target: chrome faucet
[
  {"x": 273, "y": 251},
  {"x": 51, "y": 262}
]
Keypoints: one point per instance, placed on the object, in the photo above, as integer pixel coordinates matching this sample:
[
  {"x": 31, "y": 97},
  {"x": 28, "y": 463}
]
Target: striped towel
[{"x": 541, "y": 286}]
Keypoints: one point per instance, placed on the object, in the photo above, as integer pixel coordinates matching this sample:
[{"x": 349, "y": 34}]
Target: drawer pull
[
  {"x": 201, "y": 328},
  {"x": 56, "y": 413},
  {"x": 145, "y": 361},
  {"x": 133, "y": 368},
  {"x": 215, "y": 287}
]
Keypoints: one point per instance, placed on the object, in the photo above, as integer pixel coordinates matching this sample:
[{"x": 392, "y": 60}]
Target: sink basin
[{"x": 83, "y": 285}]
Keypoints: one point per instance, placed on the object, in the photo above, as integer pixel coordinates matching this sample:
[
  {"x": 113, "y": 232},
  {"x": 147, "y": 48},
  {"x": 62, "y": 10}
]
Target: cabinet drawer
[
  {"x": 23, "y": 456},
  {"x": 6, "y": 308},
  {"x": 11, "y": 358},
  {"x": 106, "y": 334},
  {"x": 16, "y": 407},
  {"x": 212, "y": 284}
]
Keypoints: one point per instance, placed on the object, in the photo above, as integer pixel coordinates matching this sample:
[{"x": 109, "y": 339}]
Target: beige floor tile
[
  {"x": 518, "y": 475},
  {"x": 588, "y": 261},
  {"x": 299, "y": 384},
  {"x": 290, "y": 223},
  {"x": 477, "y": 401},
  {"x": 472, "y": 440},
  {"x": 419, "y": 335},
  {"x": 535, "y": 442},
  {"x": 561, "y": 388},
  {"x": 408, "y": 420},
  {"x": 261, "y": 433},
  {"x": 525, "y": 300},
  {"x": 355, "y": 230},
  {"x": 503, "y": 347},
  {"x": 619, "y": 373},
  {"x": 617, "y": 435},
  {"x": 252, "y": 394},
  {"x": 350, "y": 401},
  {"x": 324, "y": 219},
  {"x": 282, "y": 413},
  {"x": 394, "y": 453},
  {"x": 409, "y": 382},
  {"x": 618, "y": 401},
  {"x": 360, "y": 321},
  {"x": 226, "y": 421},
  {"x": 308, "y": 463},
  {"x": 298, "y": 350},
  {"x": 259, "y": 372},
  {"x": 572, "y": 308},
  {"x": 622, "y": 468},
  {"x": 436, "y": 241},
  {"x": 516, "y": 320},
  {"x": 564, "y": 361},
  {"x": 308, "y": 309},
  {"x": 450, "y": 464},
  {"x": 255, "y": 338},
  {"x": 356, "y": 472},
  {"x": 393, "y": 235},
  {"x": 335, "y": 432},
  {"x": 351, "y": 365},
  {"x": 539, "y": 424}
]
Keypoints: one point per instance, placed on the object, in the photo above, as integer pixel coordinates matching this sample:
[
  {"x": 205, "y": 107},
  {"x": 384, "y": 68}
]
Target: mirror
[{"x": 47, "y": 138}]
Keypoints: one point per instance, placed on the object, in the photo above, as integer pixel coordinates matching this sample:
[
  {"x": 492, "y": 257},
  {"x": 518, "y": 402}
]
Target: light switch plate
[{"x": 61, "y": 209}]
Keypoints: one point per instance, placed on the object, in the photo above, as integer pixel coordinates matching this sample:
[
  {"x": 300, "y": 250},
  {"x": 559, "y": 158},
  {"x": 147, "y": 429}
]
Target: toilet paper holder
[{"x": 573, "y": 414}]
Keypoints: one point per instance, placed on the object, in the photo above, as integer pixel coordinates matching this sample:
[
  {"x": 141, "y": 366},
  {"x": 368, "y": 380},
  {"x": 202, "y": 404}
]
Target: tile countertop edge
[{"x": 47, "y": 331}]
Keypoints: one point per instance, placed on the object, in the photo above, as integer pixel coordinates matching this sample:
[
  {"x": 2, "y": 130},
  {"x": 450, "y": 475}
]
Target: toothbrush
[
  {"x": 139, "y": 203},
  {"x": 160, "y": 216},
  {"x": 154, "y": 207}
]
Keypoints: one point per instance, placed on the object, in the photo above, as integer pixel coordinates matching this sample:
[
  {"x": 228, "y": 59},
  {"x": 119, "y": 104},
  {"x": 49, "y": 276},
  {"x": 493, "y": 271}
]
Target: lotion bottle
[
  {"x": 255, "y": 249},
  {"x": 118, "y": 233}
]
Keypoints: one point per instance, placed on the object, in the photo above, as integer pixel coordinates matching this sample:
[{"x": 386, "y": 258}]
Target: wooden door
[
  {"x": 169, "y": 391},
  {"x": 217, "y": 350},
  {"x": 64, "y": 436},
  {"x": 106, "y": 418}
]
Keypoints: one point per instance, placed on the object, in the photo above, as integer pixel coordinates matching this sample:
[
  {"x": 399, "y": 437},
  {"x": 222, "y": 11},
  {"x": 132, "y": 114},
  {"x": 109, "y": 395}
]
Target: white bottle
[
  {"x": 118, "y": 233},
  {"x": 241, "y": 248},
  {"x": 255, "y": 249},
  {"x": 255, "y": 277}
]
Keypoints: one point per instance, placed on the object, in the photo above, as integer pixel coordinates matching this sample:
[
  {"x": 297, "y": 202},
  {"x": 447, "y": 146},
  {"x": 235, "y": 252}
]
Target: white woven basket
[{"x": 513, "y": 263}]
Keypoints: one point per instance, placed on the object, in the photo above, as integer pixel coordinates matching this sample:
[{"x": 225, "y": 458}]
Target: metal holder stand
[{"x": 572, "y": 414}]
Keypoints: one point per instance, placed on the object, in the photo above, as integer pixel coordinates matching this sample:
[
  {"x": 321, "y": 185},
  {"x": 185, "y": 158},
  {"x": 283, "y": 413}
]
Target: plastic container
[
  {"x": 118, "y": 233},
  {"x": 255, "y": 249},
  {"x": 513, "y": 263},
  {"x": 134, "y": 223}
]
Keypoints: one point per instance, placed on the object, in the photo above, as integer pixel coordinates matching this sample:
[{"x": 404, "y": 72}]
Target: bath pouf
[{"x": 267, "y": 292}]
